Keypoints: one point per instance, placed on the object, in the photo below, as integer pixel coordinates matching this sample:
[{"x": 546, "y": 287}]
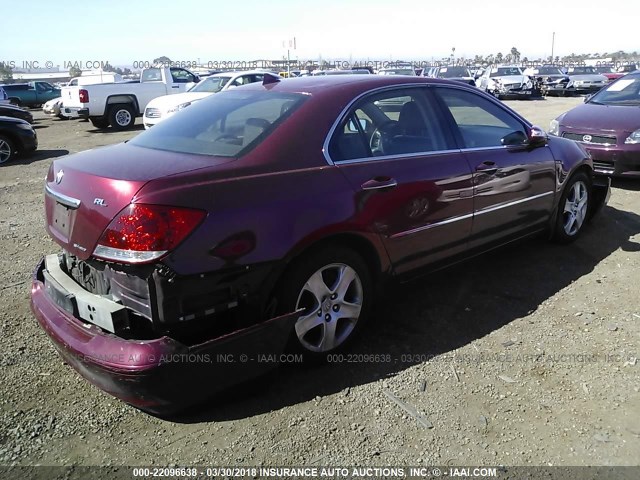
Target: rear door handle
[
  {"x": 487, "y": 167},
  {"x": 379, "y": 183}
]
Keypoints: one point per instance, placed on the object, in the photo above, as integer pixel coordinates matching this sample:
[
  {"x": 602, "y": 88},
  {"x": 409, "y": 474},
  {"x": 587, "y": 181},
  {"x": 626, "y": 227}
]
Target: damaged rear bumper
[{"x": 160, "y": 375}]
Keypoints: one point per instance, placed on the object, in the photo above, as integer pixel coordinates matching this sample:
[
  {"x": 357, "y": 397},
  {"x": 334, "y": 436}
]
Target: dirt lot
[{"x": 527, "y": 356}]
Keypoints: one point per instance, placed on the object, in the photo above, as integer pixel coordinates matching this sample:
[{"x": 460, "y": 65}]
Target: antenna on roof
[{"x": 267, "y": 79}]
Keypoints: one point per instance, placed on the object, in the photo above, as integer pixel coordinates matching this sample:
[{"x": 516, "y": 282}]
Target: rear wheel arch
[
  {"x": 122, "y": 99},
  {"x": 357, "y": 243}
]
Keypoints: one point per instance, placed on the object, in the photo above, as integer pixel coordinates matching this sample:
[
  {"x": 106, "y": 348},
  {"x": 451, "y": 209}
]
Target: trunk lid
[{"x": 85, "y": 191}]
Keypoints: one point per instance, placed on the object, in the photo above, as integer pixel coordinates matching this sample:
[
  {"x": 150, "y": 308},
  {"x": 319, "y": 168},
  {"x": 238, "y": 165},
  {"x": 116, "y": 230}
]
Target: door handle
[
  {"x": 487, "y": 167},
  {"x": 379, "y": 183}
]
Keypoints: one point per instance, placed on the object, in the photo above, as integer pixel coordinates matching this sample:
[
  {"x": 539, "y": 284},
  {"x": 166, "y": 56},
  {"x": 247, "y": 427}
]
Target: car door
[
  {"x": 514, "y": 183},
  {"x": 412, "y": 185},
  {"x": 182, "y": 79}
]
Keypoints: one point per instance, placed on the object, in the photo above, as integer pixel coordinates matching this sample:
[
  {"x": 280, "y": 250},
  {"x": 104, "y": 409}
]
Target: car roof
[{"x": 352, "y": 84}]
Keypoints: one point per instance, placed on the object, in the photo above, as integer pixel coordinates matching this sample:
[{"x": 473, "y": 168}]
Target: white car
[
  {"x": 505, "y": 81},
  {"x": 163, "y": 107},
  {"x": 52, "y": 107}
]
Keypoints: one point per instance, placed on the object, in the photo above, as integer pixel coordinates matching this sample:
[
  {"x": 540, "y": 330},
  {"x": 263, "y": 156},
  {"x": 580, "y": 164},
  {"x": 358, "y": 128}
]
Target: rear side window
[
  {"x": 227, "y": 124},
  {"x": 395, "y": 122}
]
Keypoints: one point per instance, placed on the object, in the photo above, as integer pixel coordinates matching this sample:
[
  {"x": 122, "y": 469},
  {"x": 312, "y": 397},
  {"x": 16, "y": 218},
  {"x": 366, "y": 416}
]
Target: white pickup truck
[{"x": 118, "y": 104}]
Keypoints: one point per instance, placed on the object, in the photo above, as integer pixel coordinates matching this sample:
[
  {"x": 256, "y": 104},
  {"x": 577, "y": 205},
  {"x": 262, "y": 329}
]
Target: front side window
[
  {"x": 481, "y": 123},
  {"x": 228, "y": 124},
  {"x": 395, "y": 122}
]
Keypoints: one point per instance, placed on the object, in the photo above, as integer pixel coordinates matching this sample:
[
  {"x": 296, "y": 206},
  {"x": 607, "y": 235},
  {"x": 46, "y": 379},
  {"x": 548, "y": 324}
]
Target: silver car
[{"x": 585, "y": 80}]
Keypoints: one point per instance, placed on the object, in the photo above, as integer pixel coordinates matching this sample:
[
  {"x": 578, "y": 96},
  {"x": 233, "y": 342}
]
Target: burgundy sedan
[
  {"x": 608, "y": 125},
  {"x": 262, "y": 219}
]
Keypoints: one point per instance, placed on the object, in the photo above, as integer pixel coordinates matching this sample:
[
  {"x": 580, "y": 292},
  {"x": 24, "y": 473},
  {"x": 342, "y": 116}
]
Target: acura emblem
[
  {"x": 59, "y": 176},
  {"x": 587, "y": 138}
]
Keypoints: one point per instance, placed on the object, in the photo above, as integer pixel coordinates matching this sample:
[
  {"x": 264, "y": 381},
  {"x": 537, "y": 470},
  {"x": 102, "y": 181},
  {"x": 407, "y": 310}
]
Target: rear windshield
[
  {"x": 227, "y": 124},
  {"x": 211, "y": 84}
]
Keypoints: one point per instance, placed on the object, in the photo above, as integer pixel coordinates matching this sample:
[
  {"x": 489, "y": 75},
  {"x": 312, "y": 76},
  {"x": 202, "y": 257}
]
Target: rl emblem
[{"x": 100, "y": 202}]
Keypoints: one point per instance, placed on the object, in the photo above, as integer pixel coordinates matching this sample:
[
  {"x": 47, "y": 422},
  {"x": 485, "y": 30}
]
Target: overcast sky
[{"x": 122, "y": 32}]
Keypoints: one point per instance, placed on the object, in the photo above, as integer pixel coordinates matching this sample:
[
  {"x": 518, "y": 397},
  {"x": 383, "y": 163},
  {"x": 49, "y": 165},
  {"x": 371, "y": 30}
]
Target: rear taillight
[
  {"x": 84, "y": 95},
  {"x": 144, "y": 233}
]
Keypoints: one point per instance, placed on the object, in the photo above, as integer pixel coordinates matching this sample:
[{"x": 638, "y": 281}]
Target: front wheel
[
  {"x": 121, "y": 116},
  {"x": 333, "y": 288},
  {"x": 573, "y": 209},
  {"x": 7, "y": 150}
]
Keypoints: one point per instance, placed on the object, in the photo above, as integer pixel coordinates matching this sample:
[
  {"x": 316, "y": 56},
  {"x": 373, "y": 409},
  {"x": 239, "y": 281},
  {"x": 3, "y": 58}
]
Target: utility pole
[
  {"x": 553, "y": 41},
  {"x": 291, "y": 44}
]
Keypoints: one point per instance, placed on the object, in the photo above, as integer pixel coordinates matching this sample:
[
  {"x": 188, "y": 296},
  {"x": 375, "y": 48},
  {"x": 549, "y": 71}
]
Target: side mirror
[
  {"x": 196, "y": 78},
  {"x": 352, "y": 127},
  {"x": 588, "y": 97},
  {"x": 537, "y": 137},
  {"x": 515, "y": 139}
]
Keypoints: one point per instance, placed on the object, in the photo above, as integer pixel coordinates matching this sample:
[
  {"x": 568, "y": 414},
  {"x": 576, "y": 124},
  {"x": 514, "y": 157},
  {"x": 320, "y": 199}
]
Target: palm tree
[{"x": 515, "y": 54}]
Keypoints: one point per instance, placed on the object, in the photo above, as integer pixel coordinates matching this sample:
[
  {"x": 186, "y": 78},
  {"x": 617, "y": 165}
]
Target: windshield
[
  {"x": 582, "y": 70},
  {"x": 624, "y": 91},
  {"x": 549, "y": 71},
  {"x": 604, "y": 69},
  {"x": 211, "y": 84},
  {"x": 505, "y": 72},
  {"x": 227, "y": 124},
  {"x": 453, "y": 72}
]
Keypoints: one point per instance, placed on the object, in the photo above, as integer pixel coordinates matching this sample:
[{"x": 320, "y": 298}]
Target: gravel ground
[{"x": 526, "y": 356}]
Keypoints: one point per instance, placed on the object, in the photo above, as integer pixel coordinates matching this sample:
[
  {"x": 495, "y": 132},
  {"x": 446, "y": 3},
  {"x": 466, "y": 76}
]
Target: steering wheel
[
  {"x": 226, "y": 137},
  {"x": 375, "y": 143}
]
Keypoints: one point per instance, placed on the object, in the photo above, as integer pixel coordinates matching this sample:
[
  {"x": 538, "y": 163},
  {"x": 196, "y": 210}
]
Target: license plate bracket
[{"x": 61, "y": 220}]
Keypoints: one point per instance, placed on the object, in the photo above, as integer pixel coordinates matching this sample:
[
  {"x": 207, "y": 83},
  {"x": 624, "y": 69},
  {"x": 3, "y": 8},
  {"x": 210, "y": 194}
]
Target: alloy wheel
[
  {"x": 332, "y": 301},
  {"x": 575, "y": 208}
]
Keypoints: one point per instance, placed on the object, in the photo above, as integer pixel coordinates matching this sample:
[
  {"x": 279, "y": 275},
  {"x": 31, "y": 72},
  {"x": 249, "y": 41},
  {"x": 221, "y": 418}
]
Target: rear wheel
[
  {"x": 99, "y": 122},
  {"x": 7, "y": 150},
  {"x": 121, "y": 116},
  {"x": 573, "y": 209},
  {"x": 333, "y": 288}
]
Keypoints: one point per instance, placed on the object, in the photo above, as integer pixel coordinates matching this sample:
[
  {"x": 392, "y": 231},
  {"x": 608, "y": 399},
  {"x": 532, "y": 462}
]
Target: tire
[
  {"x": 15, "y": 101},
  {"x": 99, "y": 122},
  {"x": 573, "y": 209},
  {"x": 323, "y": 327},
  {"x": 7, "y": 149},
  {"x": 121, "y": 116}
]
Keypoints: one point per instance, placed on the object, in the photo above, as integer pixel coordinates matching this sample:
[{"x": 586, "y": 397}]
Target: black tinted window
[
  {"x": 481, "y": 122},
  {"x": 395, "y": 122}
]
